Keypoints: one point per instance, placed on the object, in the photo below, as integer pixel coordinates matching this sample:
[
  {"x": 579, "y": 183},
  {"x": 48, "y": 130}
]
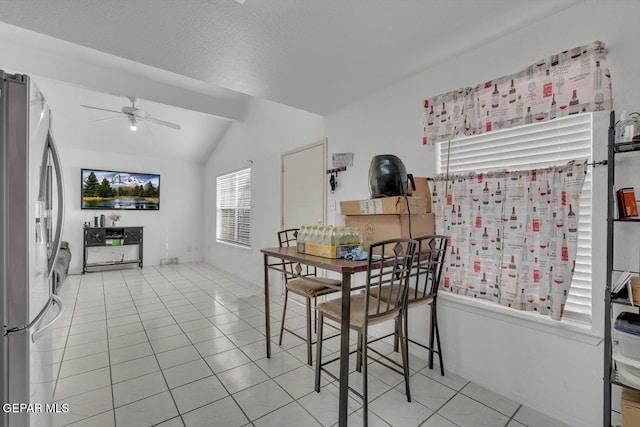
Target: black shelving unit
[{"x": 610, "y": 373}]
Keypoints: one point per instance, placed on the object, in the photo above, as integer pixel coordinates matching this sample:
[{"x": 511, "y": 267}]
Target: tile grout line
[
  {"x": 251, "y": 361},
  {"x": 234, "y": 300},
  {"x": 436, "y": 412},
  {"x": 113, "y": 397},
  {"x": 196, "y": 349},
  {"x": 108, "y": 354},
  {"x": 153, "y": 350},
  {"x": 155, "y": 354},
  {"x": 235, "y": 346},
  {"x": 270, "y": 378},
  {"x": 64, "y": 349},
  {"x": 512, "y": 418},
  {"x": 203, "y": 357},
  {"x": 484, "y": 404}
]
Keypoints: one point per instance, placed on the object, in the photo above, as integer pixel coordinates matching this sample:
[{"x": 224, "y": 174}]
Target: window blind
[
  {"x": 534, "y": 146},
  {"x": 233, "y": 207}
]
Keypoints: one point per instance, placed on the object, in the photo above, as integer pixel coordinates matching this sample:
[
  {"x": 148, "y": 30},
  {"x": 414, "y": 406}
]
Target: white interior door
[
  {"x": 304, "y": 185},
  {"x": 303, "y": 188}
]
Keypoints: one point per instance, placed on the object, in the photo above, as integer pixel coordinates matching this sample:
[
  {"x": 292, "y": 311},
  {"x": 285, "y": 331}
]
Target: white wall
[
  {"x": 554, "y": 370},
  {"x": 268, "y": 130},
  {"x": 560, "y": 374},
  {"x": 173, "y": 231}
]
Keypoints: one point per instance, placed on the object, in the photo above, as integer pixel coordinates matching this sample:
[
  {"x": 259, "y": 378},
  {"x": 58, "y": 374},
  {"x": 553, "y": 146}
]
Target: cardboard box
[
  {"x": 381, "y": 227},
  {"x": 422, "y": 190},
  {"x": 630, "y": 405},
  {"x": 385, "y": 205}
]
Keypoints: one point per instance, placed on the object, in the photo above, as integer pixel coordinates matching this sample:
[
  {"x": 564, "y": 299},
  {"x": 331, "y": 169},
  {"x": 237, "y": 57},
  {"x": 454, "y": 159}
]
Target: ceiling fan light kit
[{"x": 134, "y": 115}]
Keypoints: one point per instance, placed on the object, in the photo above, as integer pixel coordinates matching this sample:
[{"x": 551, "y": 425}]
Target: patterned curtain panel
[
  {"x": 570, "y": 82},
  {"x": 513, "y": 235}
]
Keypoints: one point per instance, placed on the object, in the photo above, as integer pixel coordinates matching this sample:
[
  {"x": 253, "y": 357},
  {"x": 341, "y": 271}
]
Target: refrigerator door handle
[
  {"x": 57, "y": 301},
  {"x": 60, "y": 216},
  {"x": 35, "y": 321}
]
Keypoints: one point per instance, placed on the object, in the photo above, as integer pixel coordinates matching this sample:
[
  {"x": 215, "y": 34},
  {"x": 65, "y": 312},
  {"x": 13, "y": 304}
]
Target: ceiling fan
[{"x": 134, "y": 115}]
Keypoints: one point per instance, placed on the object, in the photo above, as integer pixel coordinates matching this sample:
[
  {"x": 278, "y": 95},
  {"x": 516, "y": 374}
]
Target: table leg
[
  {"x": 267, "y": 324},
  {"x": 344, "y": 349}
]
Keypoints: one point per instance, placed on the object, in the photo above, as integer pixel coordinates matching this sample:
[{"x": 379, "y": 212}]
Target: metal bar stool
[
  {"x": 389, "y": 268},
  {"x": 307, "y": 288},
  {"x": 426, "y": 274}
]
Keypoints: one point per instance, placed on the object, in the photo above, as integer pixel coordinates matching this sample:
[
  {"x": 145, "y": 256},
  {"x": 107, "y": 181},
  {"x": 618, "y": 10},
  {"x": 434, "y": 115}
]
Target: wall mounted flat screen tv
[{"x": 114, "y": 190}]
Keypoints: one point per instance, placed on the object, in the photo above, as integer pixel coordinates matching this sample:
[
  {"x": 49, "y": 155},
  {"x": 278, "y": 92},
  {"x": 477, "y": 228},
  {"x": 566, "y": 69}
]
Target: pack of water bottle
[{"x": 328, "y": 241}]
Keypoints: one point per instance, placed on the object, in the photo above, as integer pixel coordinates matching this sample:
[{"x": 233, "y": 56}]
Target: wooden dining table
[{"x": 273, "y": 260}]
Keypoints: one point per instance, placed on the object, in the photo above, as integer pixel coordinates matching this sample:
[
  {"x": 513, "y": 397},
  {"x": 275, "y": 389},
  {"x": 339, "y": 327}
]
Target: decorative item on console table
[{"x": 114, "y": 217}]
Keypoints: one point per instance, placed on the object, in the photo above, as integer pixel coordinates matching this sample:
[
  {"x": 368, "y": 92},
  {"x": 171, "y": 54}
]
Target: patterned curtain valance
[{"x": 571, "y": 82}]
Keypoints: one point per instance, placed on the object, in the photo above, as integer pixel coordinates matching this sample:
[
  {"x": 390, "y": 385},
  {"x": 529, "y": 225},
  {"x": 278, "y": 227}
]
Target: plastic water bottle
[
  {"x": 302, "y": 234},
  {"x": 313, "y": 234},
  {"x": 358, "y": 234},
  {"x": 327, "y": 235},
  {"x": 348, "y": 238},
  {"x": 335, "y": 235}
]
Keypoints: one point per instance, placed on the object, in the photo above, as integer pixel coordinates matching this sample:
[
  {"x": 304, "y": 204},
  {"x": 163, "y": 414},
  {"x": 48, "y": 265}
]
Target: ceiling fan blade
[
  {"x": 101, "y": 109},
  {"x": 108, "y": 118},
  {"x": 163, "y": 123}
]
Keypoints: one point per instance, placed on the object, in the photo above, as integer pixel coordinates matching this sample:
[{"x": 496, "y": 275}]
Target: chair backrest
[
  {"x": 389, "y": 268},
  {"x": 427, "y": 267},
  {"x": 289, "y": 238}
]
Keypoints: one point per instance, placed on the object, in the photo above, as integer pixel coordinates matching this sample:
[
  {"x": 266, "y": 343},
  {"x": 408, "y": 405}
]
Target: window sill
[
  {"x": 235, "y": 245},
  {"x": 566, "y": 328}
]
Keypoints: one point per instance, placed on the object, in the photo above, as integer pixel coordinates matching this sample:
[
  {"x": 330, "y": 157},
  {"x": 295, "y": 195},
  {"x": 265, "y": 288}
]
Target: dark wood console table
[{"x": 111, "y": 237}]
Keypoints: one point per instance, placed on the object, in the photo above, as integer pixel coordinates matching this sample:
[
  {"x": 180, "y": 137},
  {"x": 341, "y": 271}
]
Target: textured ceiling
[{"x": 316, "y": 55}]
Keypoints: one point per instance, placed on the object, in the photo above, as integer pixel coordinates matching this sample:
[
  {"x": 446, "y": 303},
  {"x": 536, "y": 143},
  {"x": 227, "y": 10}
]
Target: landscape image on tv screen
[{"x": 120, "y": 190}]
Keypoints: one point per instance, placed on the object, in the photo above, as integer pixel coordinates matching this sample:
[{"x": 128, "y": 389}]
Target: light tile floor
[{"x": 183, "y": 345}]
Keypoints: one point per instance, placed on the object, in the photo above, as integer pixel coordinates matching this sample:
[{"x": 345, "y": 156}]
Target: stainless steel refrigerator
[{"x": 31, "y": 218}]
